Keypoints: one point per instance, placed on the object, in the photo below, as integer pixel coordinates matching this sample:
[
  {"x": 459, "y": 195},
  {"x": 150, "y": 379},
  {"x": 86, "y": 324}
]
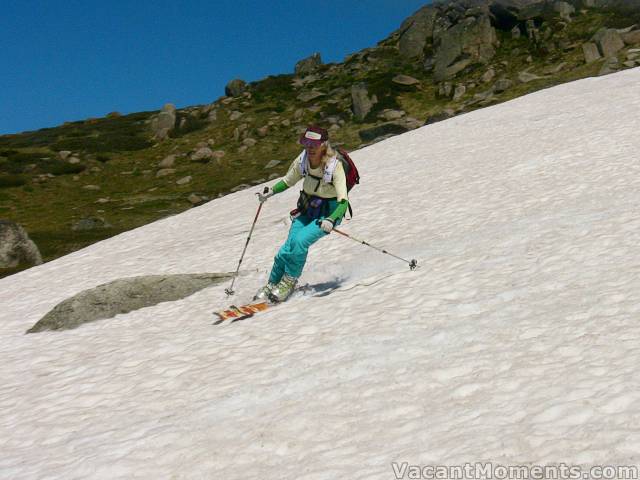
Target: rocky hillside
[{"x": 84, "y": 181}]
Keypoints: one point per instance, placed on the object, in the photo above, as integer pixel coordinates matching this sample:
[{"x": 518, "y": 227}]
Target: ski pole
[
  {"x": 413, "y": 263},
  {"x": 230, "y": 291}
]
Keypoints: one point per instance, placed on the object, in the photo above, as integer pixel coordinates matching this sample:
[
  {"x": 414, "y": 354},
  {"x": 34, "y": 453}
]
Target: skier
[{"x": 322, "y": 204}]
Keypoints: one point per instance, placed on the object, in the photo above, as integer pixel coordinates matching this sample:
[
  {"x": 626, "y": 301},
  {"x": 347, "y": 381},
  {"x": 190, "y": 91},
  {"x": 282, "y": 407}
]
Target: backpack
[{"x": 350, "y": 169}]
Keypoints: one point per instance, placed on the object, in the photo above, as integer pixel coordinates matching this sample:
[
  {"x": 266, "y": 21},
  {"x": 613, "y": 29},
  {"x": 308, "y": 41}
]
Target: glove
[
  {"x": 326, "y": 225},
  {"x": 268, "y": 192}
]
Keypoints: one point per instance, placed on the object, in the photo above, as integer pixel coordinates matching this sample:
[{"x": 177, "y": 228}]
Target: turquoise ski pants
[{"x": 292, "y": 256}]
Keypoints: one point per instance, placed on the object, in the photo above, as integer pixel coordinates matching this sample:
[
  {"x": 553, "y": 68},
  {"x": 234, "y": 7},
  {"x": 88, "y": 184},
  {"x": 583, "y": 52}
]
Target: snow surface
[{"x": 516, "y": 341}]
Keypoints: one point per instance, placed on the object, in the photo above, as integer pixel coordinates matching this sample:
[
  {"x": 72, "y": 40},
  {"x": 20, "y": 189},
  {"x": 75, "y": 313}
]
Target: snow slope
[{"x": 517, "y": 341}]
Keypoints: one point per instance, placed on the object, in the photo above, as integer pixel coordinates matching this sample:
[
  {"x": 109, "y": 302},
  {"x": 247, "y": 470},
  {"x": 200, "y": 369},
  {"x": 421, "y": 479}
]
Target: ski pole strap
[{"x": 413, "y": 263}]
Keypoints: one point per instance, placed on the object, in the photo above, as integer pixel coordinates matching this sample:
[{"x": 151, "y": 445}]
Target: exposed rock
[
  {"x": 502, "y": 85},
  {"x": 609, "y": 41},
  {"x": 263, "y": 131},
  {"x": 526, "y": 77},
  {"x": 235, "y": 88},
  {"x": 196, "y": 200},
  {"x": 610, "y": 65},
  {"x": 390, "y": 115},
  {"x": 405, "y": 80},
  {"x": 438, "y": 117},
  {"x": 123, "y": 296},
  {"x": 516, "y": 32},
  {"x": 362, "y": 104},
  {"x": 167, "y": 162},
  {"x": 488, "y": 75},
  {"x": 64, "y": 154},
  {"x": 459, "y": 92},
  {"x": 73, "y": 160},
  {"x": 203, "y": 154},
  {"x": 472, "y": 40},
  {"x": 553, "y": 69},
  {"x": 410, "y": 123},
  {"x": 631, "y": 38},
  {"x": 298, "y": 82},
  {"x": 312, "y": 95},
  {"x": 386, "y": 129},
  {"x": 445, "y": 90},
  {"x": 235, "y": 115},
  {"x": 91, "y": 187},
  {"x": 184, "y": 180},
  {"x": 564, "y": 9},
  {"x": 591, "y": 52},
  {"x": 165, "y": 122},
  {"x": 16, "y": 248},
  {"x": 415, "y": 31},
  {"x": 237, "y": 188},
  {"x": 163, "y": 172},
  {"x": 272, "y": 164},
  {"x": 90, "y": 223},
  {"x": 249, "y": 142},
  {"x": 308, "y": 65}
]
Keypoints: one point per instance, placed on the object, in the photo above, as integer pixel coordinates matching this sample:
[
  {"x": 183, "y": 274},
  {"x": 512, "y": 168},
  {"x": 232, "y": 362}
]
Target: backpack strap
[
  {"x": 329, "y": 168},
  {"x": 303, "y": 163}
]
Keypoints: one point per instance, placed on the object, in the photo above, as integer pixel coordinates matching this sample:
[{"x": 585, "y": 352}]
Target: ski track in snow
[{"x": 516, "y": 341}]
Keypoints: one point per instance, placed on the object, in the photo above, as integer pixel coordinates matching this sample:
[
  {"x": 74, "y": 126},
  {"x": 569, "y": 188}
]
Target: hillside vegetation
[{"x": 85, "y": 181}]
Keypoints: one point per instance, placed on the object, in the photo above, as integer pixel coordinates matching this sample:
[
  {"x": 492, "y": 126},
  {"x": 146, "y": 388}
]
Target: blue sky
[{"x": 66, "y": 60}]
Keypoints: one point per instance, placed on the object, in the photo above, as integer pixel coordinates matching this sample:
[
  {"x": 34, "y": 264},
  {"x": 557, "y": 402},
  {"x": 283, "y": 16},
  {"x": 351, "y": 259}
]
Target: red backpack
[{"x": 350, "y": 170}]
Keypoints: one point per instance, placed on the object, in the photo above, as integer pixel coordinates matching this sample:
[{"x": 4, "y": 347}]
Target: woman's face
[{"x": 315, "y": 152}]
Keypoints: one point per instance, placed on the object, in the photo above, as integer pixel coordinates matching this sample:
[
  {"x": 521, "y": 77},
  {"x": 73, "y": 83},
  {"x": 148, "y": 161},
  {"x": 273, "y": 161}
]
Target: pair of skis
[{"x": 242, "y": 312}]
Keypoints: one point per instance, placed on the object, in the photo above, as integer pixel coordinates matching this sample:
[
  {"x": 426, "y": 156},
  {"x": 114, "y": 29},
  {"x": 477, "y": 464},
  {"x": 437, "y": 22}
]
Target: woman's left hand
[{"x": 326, "y": 225}]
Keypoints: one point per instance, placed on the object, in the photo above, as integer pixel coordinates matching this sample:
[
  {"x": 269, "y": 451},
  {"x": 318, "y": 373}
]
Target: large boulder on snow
[
  {"x": 123, "y": 296},
  {"x": 16, "y": 248}
]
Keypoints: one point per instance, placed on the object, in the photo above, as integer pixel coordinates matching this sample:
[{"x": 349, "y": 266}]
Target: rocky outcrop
[
  {"x": 591, "y": 52},
  {"x": 609, "y": 41},
  {"x": 16, "y": 248},
  {"x": 472, "y": 40},
  {"x": 165, "y": 122},
  {"x": 308, "y": 65},
  {"x": 361, "y": 102},
  {"x": 235, "y": 88},
  {"x": 123, "y": 296},
  {"x": 415, "y": 31}
]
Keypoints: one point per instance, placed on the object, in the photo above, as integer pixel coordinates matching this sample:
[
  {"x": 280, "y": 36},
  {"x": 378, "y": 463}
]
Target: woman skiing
[{"x": 322, "y": 204}]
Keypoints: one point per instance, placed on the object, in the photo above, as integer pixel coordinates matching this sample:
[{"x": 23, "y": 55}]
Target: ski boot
[
  {"x": 263, "y": 294},
  {"x": 283, "y": 289}
]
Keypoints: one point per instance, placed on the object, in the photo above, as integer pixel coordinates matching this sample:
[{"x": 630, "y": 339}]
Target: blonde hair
[{"x": 328, "y": 154}]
